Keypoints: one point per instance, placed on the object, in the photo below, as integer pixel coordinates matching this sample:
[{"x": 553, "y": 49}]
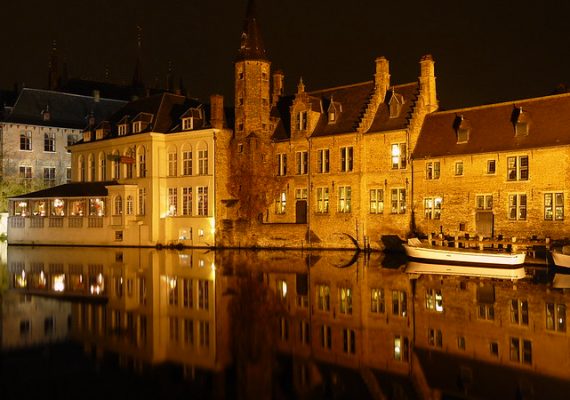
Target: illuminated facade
[{"x": 150, "y": 175}]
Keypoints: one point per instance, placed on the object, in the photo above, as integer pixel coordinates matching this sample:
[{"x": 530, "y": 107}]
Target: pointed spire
[
  {"x": 53, "y": 68},
  {"x": 251, "y": 45},
  {"x": 300, "y": 86},
  {"x": 137, "y": 74}
]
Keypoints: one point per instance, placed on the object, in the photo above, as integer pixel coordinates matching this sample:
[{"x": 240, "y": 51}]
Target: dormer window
[
  {"x": 395, "y": 104},
  {"x": 137, "y": 126},
  {"x": 46, "y": 115},
  {"x": 462, "y": 128},
  {"x": 520, "y": 120},
  {"x": 332, "y": 115},
  {"x": 123, "y": 129},
  {"x": 302, "y": 119},
  {"x": 187, "y": 124},
  {"x": 86, "y": 136},
  {"x": 334, "y": 111}
]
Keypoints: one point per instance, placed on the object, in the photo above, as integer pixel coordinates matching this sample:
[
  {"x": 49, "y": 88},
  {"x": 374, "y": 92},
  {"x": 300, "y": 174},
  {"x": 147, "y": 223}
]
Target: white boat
[
  {"x": 420, "y": 251},
  {"x": 485, "y": 271},
  {"x": 561, "y": 259}
]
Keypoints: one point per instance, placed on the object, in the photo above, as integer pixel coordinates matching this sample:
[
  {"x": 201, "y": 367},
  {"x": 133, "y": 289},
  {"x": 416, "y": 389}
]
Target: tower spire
[
  {"x": 251, "y": 44},
  {"x": 137, "y": 82}
]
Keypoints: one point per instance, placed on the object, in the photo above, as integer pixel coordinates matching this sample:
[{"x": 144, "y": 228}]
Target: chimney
[
  {"x": 217, "y": 111},
  {"x": 278, "y": 78},
  {"x": 382, "y": 76},
  {"x": 427, "y": 83}
]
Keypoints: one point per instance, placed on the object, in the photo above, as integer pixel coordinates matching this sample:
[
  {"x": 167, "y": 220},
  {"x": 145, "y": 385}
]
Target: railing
[
  {"x": 55, "y": 222},
  {"x": 37, "y": 222},
  {"x": 75, "y": 222},
  {"x": 95, "y": 222},
  {"x": 17, "y": 222},
  {"x": 514, "y": 243}
]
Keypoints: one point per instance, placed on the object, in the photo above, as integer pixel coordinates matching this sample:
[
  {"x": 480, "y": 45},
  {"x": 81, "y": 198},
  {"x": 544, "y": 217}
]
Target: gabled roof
[
  {"x": 66, "y": 110},
  {"x": 75, "y": 189},
  {"x": 382, "y": 121},
  {"x": 491, "y": 128}
]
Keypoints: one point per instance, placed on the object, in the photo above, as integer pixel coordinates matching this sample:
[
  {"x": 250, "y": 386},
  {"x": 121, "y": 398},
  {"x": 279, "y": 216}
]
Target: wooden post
[
  {"x": 456, "y": 242},
  {"x": 480, "y": 242},
  {"x": 515, "y": 247}
]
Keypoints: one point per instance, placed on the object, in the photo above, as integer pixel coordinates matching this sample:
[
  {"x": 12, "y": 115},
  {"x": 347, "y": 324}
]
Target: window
[
  {"x": 172, "y": 201},
  {"x": 49, "y": 142},
  {"x": 459, "y": 168},
  {"x": 519, "y": 312},
  {"x": 141, "y": 162},
  {"x": 142, "y": 201},
  {"x": 284, "y": 328},
  {"x": 203, "y": 162},
  {"x": 323, "y": 161},
  {"x": 432, "y": 207},
  {"x": 172, "y": 286},
  {"x": 102, "y": 167},
  {"x": 187, "y": 201},
  {"x": 399, "y": 303},
  {"x": 187, "y": 124},
  {"x": 484, "y": 201},
  {"x": 399, "y": 156},
  {"x": 137, "y": 126},
  {"x": 67, "y": 174},
  {"x": 123, "y": 129},
  {"x": 323, "y": 200},
  {"x": 301, "y": 193},
  {"x": 462, "y": 135},
  {"x": 282, "y": 288},
  {"x": 376, "y": 201},
  {"x": 203, "y": 294},
  {"x": 401, "y": 348},
  {"x": 204, "y": 334},
  {"x": 49, "y": 176},
  {"x": 304, "y": 332},
  {"x": 187, "y": 293},
  {"x": 302, "y": 120},
  {"x": 517, "y": 207},
  {"x": 344, "y": 199},
  {"x": 432, "y": 170},
  {"x": 434, "y": 300},
  {"x": 435, "y": 337},
  {"x": 398, "y": 201},
  {"x": 281, "y": 164},
  {"x": 91, "y": 168},
  {"x": 377, "y": 304},
  {"x": 118, "y": 205},
  {"x": 556, "y": 317},
  {"x": 520, "y": 351},
  {"x": 25, "y": 328},
  {"x": 130, "y": 205},
  {"x": 188, "y": 332},
  {"x": 486, "y": 311},
  {"x": 494, "y": 349},
  {"x": 491, "y": 167},
  {"x": 116, "y": 165},
  {"x": 554, "y": 206},
  {"x": 461, "y": 342},
  {"x": 517, "y": 168},
  {"x": 323, "y": 297},
  {"x": 302, "y": 160},
  {"x": 26, "y": 140},
  {"x": 202, "y": 192},
  {"x": 348, "y": 341},
  {"x": 25, "y": 174},
  {"x": 326, "y": 337},
  {"x": 345, "y": 295},
  {"x": 346, "y": 159},
  {"x": 187, "y": 162},
  {"x": 172, "y": 162}
]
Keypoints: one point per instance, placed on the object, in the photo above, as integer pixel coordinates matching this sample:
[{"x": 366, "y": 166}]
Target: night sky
[{"x": 483, "y": 54}]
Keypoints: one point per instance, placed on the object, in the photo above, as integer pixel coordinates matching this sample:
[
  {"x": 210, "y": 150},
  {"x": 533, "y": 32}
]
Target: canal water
[{"x": 144, "y": 323}]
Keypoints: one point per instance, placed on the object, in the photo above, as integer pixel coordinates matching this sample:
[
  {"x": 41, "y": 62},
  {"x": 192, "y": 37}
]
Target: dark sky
[{"x": 483, "y": 53}]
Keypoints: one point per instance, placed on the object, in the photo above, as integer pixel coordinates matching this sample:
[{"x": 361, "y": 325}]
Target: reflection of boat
[
  {"x": 417, "y": 250},
  {"x": 484, "y": 271},
  {"x": 561, "y": 259}
]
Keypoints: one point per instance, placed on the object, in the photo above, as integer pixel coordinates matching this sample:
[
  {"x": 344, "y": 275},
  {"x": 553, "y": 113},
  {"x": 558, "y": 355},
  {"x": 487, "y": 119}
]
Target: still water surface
[{"x": 131, "y": 323}]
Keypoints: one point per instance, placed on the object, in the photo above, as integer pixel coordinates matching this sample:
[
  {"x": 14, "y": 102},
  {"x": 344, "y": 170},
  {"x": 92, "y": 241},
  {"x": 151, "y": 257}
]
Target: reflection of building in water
[
  {"x": 27, "y": 321},
  {"x": 346, "y": 325}
]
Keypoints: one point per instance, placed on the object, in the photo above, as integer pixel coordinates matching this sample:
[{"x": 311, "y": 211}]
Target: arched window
[
  {"x": 129, "y": 205},
  {"x": 141, "y": 162},
  {"x": 102, "y": 167},
  {"x": 81, "y": 168},
  {"x": 118, "y": 205},
  {"x": 186, "y": 159},
  {"x": 91, "y": 163},
  {"x": 129, "y": 164},
  {"x": 172, "y": 161}
]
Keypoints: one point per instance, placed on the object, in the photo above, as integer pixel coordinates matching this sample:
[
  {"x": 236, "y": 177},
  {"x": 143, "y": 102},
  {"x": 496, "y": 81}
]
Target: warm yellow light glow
[
  {"x": 172, "y": 283},
  {"x": 59, "y": 283}
]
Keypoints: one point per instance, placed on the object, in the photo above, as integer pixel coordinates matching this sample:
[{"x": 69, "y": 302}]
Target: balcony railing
[
  {"x": 55, "y": 222},
  {"x": 37, "y": 222}
]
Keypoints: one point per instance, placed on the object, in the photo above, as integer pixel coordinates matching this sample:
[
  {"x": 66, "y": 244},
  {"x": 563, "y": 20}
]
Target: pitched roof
[
  {"x": 382, "y": 120},
  {"x": 66, "y": 110},
  {"x": 492, "y": 128},
  {"x": 75, "y": 189}
]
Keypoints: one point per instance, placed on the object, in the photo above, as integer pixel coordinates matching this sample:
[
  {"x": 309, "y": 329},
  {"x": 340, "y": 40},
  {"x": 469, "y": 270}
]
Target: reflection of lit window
[
  {"x": 345, "y": 301},
  {"x": 58, "y": 207},
  {"x": 42, "y": 280},
  {"x": 282, "y": 288},
  {"x": 184, "y": 260},
  {"x": 201, "y": 263},
  {"x": 401, "y": 348},
  {"x": 59, "y": 283},
  {"x": 97, "y": 284},
  {"x": 201, "y": 232},
  {"x": 20, "y": 280},
  {"x": 434, "y": 300}
]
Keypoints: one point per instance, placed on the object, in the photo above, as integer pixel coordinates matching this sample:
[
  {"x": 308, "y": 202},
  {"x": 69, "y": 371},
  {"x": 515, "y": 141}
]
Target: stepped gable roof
[
  {"x": 251, "y": 44},
  {"x": 66, "y": 110},
  {"x": 166, "y": 108},
  {"x": 282, "y": 111},
  {"x": 75, "y": 189},
  {"x": 492, "y": 127},
  {"x": 352, "y": 99},
  {"x": 382, "y": 121}
]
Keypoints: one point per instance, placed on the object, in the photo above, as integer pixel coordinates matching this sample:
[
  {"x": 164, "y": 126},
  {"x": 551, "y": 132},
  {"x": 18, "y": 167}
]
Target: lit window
[
  {"x": 399, "y": 156},
  {"x": 459, "y": 168},
  {"x": 398, "y": 200},
  {"x": 484, "y": 201},
  {"x": 187, "y": 124},
  {"x": 432, "y": 170},
  {"x": 401, "y": 348},
  {"x": 187, "y": 201},
  {"x": 282, "y": 288},
  {"x": 517, "y": 207},
  {"x": 554, "y": 206},
  {"x": 376, "y": 201},
  {"x": 377, "y": 304},
  {"x": 323, "y": 297},
  {"x": 202, "y": 192},
  {"x": 517, "y": 168},
  {"x": 345, "y": 306},
  {"x": 399, "y": 303},
  {"x": 172, "y": 201},
  {"x": 344, "y": 199},
  {"x": 281, "y": 203},
  {"x": 556, "y": 317},
  {"x": 434, "y": 300},
  {"x": 323, "y": 200},
  {"x": 432, "y": 207},
  {"x": 281, "y": 164}
]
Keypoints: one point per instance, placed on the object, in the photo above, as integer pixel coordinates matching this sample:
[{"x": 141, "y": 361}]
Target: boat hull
[
  {"x": 475, "y": 257},
  {"x": 484, "y": 271},
  {"x": 561, "y": 260}
]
